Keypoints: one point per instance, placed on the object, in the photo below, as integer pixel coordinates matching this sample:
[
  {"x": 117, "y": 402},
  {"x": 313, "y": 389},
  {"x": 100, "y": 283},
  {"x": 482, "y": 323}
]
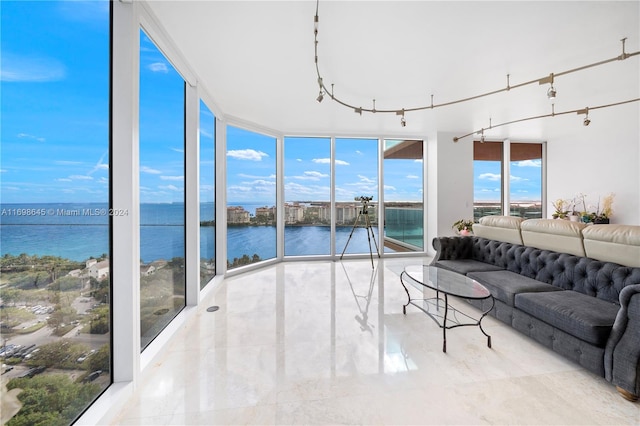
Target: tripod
[{"x": 365, "y": 213}]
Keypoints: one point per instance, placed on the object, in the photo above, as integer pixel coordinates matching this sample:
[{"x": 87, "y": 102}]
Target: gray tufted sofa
[{"x": 586, "y": 309}]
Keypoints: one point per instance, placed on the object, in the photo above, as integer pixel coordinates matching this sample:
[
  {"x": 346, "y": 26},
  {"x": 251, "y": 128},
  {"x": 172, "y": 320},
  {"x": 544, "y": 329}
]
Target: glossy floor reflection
[{"x": 327, "y": 343}]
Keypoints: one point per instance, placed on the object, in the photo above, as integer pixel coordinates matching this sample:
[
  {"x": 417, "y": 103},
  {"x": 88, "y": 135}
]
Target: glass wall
[
  {"x": 356, "y": 165},
  {"x": 207, "y": 133},
  {"x": 307, "y": 194},
  {"x": 55, "y": 302},
  {"x": 403, "y": 193},
  {"x": 524, "y": 168},
  {"x": 525, "y": 187},
  {"x": 251, "y": 197},
  {"x": 162, "y": 213},
  {"x": 487, "y": 179}
]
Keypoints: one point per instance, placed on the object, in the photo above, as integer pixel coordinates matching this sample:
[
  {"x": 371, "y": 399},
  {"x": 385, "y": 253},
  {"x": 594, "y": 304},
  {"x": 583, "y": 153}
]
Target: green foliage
[
  {"x": 244, "y": 260},
  {"x": 66, "y": 283},
  {"x": 101, "y": 360},
  {"x": 29, "y": 280},
  {"x": 51, "y": 399},
  {"x": 463, "y": 225},
  {"x": 12, "y": 317},
  {"x": 61, "y": 354},
  {"x": 99, "y": 326}
]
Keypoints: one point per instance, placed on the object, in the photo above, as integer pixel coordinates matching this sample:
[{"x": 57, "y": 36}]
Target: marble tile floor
[{"x": 326, "y": 343}]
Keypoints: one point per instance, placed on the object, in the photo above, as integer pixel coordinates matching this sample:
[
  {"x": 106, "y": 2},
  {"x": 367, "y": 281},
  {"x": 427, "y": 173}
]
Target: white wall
[
  {"x": 598, "y": 159},
  {"x": 449, "y": 183}
]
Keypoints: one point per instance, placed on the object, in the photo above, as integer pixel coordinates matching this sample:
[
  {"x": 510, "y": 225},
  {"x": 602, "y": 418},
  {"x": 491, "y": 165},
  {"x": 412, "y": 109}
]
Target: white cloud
[
  {"x": 63, "y": 180},
  {"x": 158, "y": 67},
  {"x": 180, "y": 150},
  {"x": 412, "y": 177},
  {"x": 419, "y": 160},
  {"x": 311, "y": 175},
  {"x": 30, "y": 137},
  {"x": 299, "y": 160},
  {"x": 389, "y": 188},
  {"x": 529, "y": 163},
  {"x": 67, "y": 163},
  {"x": 256, "y": 177},
  {"x": 328, "y": 161},
  {"x": 260, "y": 182},
  {"x": 246, "y": 154},
  {"x": 238, "y": 188},
  {"x": 38, "y": 69},
  {"x": 366, "y": 179},
  {"x": 490, "y": 176},
  {"x": 145, "y": 169},
  {"x": 173, "y": 178},
  {"x": 517, "y": 178},
  {"x": 80, "y": 177},
  {"x": 170, "y": 188}
]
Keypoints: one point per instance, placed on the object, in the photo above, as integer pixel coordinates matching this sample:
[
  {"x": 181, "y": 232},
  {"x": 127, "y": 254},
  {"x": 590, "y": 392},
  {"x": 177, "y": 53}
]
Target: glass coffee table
[{"x": 445, "y": 283}]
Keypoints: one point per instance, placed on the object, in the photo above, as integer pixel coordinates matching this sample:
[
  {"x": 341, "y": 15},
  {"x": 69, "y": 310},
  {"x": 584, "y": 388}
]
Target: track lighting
[
  {"x": 551, "y": 92},
  {"x": 403, "y": 122},
  {"x": 586, "y": 120}
]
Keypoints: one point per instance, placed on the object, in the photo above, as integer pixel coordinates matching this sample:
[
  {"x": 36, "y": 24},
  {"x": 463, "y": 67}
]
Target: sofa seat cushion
[
  {"x": 504, "y": 285},
  {"x": 464, "y": 266},
  {"x": 585, "y": 317}
]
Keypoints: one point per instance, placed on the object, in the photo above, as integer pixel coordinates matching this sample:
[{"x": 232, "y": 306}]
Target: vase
[
  {"x": 464, "y": 232},
  {"x": 574, "y": 218}
]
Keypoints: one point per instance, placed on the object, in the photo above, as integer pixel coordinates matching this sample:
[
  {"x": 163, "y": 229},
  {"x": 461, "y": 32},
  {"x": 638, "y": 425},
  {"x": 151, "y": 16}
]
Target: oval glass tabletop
[{"x": 446, "y": 281}]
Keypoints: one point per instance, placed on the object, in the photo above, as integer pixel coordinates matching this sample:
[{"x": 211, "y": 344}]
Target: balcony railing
[{"x": 404, "y": 230}]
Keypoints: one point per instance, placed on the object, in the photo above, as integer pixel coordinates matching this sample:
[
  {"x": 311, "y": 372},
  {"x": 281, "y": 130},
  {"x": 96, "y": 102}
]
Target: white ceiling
[{"x": 256, "y": 59}]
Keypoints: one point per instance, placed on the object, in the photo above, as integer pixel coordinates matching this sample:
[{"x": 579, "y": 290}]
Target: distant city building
[
  {"x": 293, "y": 213},
  {"x": 265, "y": 211},
  {"x": 237, "y": 215}
]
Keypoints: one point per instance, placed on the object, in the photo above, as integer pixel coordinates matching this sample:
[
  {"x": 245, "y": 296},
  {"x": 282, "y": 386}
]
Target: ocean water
[{"x": 79, "y": 231}]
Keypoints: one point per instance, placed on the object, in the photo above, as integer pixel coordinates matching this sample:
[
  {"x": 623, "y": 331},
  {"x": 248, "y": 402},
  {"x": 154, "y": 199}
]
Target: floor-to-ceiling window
[
  {"x": 487, "y": 178},
  {"x": 525, "y": 180},
  {"x": 356, "y": 195},
  {"x": 55, "y": 343},
  {"x": 403, "y": 195},
  {"x": 524, "y": 168},
  {"x": 162, "y": 209},
  {"x": 251, "y": 197},
  {"x": 307, "y": 196},
  {"x": 207, "y": 133}
]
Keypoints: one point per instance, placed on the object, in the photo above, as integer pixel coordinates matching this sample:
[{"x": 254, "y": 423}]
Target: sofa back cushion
[
  {"x": 500, "y": 228},
  {"x": 613, "y": 243},
  {"x": 603, "y": 280},
  {"x": 558, "y": 235}
]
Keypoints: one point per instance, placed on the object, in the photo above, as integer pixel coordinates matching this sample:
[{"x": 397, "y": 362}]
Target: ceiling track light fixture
[
  {"x": 585, "y": 122},
  {"x": 551, "y": 93}
]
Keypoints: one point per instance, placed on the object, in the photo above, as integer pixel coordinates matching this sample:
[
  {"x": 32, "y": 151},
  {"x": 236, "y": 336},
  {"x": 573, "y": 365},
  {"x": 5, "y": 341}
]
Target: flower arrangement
[
  {"x": 463, "y": 226},
  {"x": 562, "y": 208},
  {"x": 600, "y": 213}
]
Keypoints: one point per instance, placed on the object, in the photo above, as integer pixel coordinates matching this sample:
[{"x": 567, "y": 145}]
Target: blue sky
[
  {"x": 525, "y": 180},
  {"x": 54, "y": 127},
  {"x": 54, "y": 87}
]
